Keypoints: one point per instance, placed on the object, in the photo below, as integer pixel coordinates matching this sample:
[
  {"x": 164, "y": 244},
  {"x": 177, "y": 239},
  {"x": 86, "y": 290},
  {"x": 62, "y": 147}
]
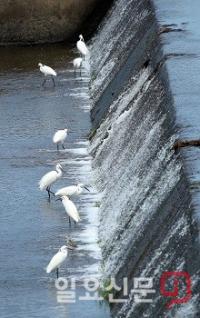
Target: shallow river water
[{"x": 32, "y": 230}]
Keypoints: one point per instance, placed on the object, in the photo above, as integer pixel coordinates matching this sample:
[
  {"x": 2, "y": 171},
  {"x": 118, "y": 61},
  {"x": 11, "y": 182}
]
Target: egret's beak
[
  {"x": 59, "y": 199},
  {"x": 86, "y": 188},
  {"x": 70, "y": 247}
]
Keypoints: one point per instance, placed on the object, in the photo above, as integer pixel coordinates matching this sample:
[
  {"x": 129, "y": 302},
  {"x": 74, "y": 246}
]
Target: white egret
[
  {"x": 70, "y": 209},
  {"x": 72, "y": 190},
  {"x": 58, "y": 259},
  {"x": 77, "y": 63},
  {"x": 47, "y": 71},
  {"x": 59, "y": 137},
  {"x": 81, "y": 46},
  {"x": 49, "y": 178}
]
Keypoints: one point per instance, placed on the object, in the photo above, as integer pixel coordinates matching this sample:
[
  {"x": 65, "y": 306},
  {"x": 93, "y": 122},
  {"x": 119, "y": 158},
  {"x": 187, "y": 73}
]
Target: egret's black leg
[
  {"x": 57, "y": 273},
  {"x": 54, "y": 84},
  {"x": 63, "y": 146},
  {"x": 49, "y": 195},
  {"x": 51, "y": 192},
  {"x": 57, "y": 147},
  {"x": 69, "y": 221},
  {"x": 44, "y": 82}
]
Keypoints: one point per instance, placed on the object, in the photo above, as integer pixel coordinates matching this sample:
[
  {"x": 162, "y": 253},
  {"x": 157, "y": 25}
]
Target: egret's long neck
[{"x": 59, "y": 172}]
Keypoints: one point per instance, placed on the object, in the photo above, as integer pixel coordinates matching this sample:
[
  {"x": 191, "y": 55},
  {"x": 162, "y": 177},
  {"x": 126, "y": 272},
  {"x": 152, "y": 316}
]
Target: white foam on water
[{"x": 77, "y": 151}]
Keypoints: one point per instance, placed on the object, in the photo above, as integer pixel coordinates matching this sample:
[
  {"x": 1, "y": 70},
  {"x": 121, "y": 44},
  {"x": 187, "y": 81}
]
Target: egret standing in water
[
  {"x": 58, "y": 259},
  {"x": 48, "y": 72},
  {"x": 77, "y": 63},
  {"x": 49, "y": 178},
  {"x": 59, "y": 138},
  {"x": 81, "y": 46},
  {"x": 70, "y": 209},
  {"x": 72, "y": 190}
]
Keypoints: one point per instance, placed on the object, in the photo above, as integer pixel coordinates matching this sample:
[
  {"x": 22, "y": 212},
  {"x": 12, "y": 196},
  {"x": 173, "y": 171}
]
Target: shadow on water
[{"x": 32, "y": 229}]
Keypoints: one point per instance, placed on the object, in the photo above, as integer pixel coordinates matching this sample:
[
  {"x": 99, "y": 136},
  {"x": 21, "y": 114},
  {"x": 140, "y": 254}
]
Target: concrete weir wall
[
  {"x": 146, "y": 220},
  {"x": 41, "y": 21}
]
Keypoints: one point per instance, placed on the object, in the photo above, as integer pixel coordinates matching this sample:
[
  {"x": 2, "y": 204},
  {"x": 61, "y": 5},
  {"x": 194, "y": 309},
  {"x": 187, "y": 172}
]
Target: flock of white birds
[{"x": 45, "y": 183}]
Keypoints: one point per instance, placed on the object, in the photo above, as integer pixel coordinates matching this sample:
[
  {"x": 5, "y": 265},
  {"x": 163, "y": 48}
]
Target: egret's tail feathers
[
  {"x": 61, "y": 193},
  {"x": 77, "y": 219},
  {"x": 40, "y": 186},
  {"x": 54, "y": 73},
  {"x": 55, "y": 140},
  {"x": 48, "y": 269}
]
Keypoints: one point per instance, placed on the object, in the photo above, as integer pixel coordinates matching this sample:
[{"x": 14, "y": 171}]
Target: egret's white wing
[
  {"x": 48, "y": 70},
  {"x": 60, "y": 135},
  {"x": 56, "y": 261},
  {"x": 47, "y": 180},
  {"x": 71, "y": 190},
  {"x": 81, "y": 46},
  {"x": 71, "y": 209},
  {"x": 77, "y": 62}
]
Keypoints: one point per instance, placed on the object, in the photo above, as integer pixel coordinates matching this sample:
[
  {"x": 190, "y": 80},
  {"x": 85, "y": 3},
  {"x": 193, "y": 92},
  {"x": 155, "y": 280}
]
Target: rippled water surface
[{"x": 32, "y": 229}]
